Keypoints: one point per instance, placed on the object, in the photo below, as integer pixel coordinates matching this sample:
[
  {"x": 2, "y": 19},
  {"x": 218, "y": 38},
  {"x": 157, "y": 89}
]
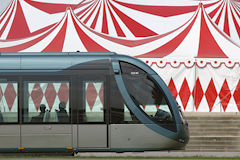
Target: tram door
[{"x": 92, "y": 128}]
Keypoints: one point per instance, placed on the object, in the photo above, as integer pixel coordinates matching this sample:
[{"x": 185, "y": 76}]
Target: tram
[{"x": 76, "y": 102}]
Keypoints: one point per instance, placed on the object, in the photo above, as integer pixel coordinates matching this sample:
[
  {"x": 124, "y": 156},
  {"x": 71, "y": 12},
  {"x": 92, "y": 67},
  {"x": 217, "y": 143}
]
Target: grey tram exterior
[{"x": 131, "y": 108}]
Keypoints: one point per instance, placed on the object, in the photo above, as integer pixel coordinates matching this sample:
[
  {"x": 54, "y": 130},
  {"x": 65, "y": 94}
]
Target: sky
[{"x": 3, "y": 4}]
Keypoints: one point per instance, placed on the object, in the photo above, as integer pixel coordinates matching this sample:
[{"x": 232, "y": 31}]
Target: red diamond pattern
[
  {"x": 197, "y": 94},
  {"x": 211, "y": 95},
  {"x": 225, "y": 95},
  {"x": 172, "y": 88},
  {"x": 91, "y": 95},
  {"x": 184, "y": 93},
  {"x": 63, "y": 93},
  {"x": 37, "y": 95},
  {"x": 50, "y": 95},
  {"x": 236, "y": 95},
  {"x": 10, "y": 95}
]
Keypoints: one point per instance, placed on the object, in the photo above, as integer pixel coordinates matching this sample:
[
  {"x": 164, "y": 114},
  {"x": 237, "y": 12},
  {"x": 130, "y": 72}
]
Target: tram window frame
[
  {"x": 116, "y": 112},
  {"x": 141, "y": 72},
  {"x": 89, "y": 74},
  {"x": 13, "y": 79},
  {"x": 47, "y": 79}
]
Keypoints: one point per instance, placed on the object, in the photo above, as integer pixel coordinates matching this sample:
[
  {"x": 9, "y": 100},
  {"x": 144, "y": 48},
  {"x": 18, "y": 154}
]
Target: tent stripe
[
  {"x": 93, "y": 25},
  {"x": 236, "y": 24},
  {"x": 89, "y": 44},
  {"x": 50, "y": 8},
  {"x": 136, "y": 28},
  {"x": 219, "y": 16},
  {"x": 56, "y": 44},
  {"x": 26, "y": 45},
  {"x": 85, "y": 9},
  {"x": 208, "y": 47},
  {"x": 226, "y": 24},
  {"x": 119, "y": 31},
  {"x": 19, "y": 20},
  {"x": 105, "y": 25},
  {"x": 6, "y": 23},
  {"x": 214, "y": 12},
  {"x": 90, "y": 15},
  {"x": 169, "y": 47}
]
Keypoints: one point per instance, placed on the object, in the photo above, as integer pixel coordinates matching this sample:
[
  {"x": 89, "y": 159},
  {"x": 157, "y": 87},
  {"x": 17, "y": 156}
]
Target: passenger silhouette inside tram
[
  {"x": 1, "y": 116},
  {"x": 62, "y": 113},
  {"x": 40, "y": 117}
]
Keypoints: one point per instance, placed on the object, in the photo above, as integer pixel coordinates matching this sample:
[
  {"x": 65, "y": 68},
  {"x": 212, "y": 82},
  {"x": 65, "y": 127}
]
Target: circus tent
[
  {"x": 17, "y": 14},
  {"x": 64, "y": 36},
  {"x": 199, "y": 29},
  {"x": 193, "y": 58},
  {"x": 226, "y": 14},
  {"x": 116, "y": 18},
  {"x": 197, "y": 63},
  {"x": 135, "y": 18}
]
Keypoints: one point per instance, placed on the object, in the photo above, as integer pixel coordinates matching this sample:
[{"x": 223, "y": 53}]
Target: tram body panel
[
  {"x": 92, "y": 136},
  {"x": 9, "y": 136},
  {"x": 46, "y": 136},
  {"x": 139, "y": 136}
]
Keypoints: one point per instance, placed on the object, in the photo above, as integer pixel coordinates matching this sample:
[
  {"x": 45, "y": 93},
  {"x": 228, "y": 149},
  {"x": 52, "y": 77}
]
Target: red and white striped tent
[
  {"x": 67, "y": 35},
  {"x": 198, "y": 61},
  {"x": 136, "y": 18},
  {"x": 16, "y": 23},
  {"x": 226, "y": 14},
  {"x": 195, "y": 57}
]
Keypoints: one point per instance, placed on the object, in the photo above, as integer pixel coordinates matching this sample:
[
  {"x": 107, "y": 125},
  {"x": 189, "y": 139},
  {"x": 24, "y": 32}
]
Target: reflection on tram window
[
  {"x": 8, "y": 102},
  {"x": 93, "y": 100},
  {"x": 119, "y": 111},
  {"x": 147, "y": 95},
  {"x": 46, "y": 102}
]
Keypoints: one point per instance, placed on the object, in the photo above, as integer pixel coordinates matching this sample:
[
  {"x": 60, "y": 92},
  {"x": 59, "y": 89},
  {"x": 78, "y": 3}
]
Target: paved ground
[
  {"x": 160, "y": 154},
  {"x": 135, "y": 155},
  {"x": 104, "y": 159}
]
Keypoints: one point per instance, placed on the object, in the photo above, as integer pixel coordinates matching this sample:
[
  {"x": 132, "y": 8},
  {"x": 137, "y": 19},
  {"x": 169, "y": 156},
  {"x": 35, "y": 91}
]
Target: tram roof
[
  {"x": 50, "y": 60},
  {"x": 61, "y": 60},
  {"x": 57, "y": 53}
]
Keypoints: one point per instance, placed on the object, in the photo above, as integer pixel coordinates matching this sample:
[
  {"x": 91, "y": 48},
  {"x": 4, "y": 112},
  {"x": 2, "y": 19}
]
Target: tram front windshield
[{"x": 147, "y": 95}]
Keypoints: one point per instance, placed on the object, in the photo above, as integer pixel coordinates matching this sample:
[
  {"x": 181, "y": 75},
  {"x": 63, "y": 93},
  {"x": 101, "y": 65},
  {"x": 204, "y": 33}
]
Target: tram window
[
  {"x": 46, "y": 102},
  {"x": 147, "y": 95},
  {"x": 8, "y": 102},
  {"x": 93, "y": 101},
  {"x": 119, "y": 111}
]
